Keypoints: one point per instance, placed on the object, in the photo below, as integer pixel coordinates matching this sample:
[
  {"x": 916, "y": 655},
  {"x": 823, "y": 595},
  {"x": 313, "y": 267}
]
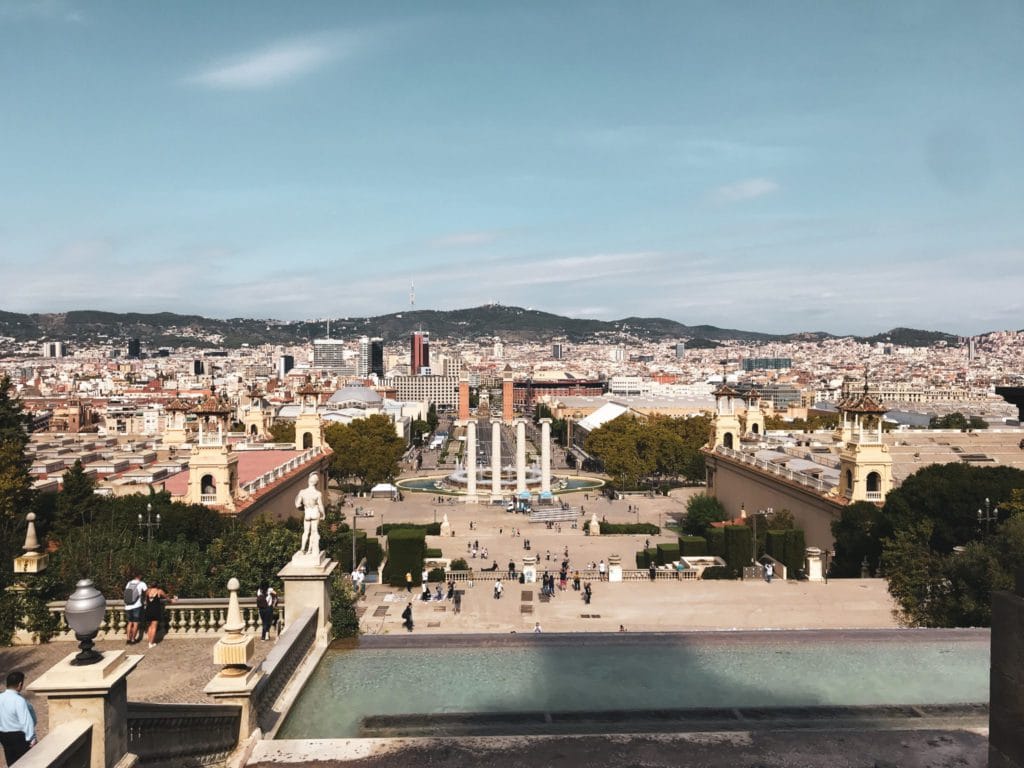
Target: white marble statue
[{"x": 311, "y": 502}]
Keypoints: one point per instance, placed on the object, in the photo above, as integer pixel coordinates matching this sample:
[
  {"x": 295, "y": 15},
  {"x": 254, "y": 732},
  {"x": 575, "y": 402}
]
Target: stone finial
[
  {"x": 236, "y": 648},
  {"x": 31, "y": 541},
  {"x": 32, "y": 561}
]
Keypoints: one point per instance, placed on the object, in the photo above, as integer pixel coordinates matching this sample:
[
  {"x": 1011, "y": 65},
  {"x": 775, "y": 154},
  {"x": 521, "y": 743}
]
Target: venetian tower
[
  {"x": 309, "y": 431},
  {"x": 213, "y": 465},
  {"x": 176, "y": 430},
  {"x": 865, "y": 464},
  {"x": 753, "y": 419},
  {"x": 725, "y": 424}
]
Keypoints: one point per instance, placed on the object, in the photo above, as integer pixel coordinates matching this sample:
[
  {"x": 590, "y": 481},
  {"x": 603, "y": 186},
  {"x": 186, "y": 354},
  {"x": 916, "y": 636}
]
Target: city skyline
[{"x": 792, "y": 168}]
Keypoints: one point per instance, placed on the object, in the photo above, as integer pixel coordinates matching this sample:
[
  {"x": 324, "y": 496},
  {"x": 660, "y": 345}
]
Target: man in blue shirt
[{"x": 17, "y": 719}]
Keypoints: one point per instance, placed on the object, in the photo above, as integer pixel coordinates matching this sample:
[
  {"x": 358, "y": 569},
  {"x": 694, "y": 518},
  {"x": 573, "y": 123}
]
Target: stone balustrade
[
  {"x": 171, "y": 735},
  {"x": 184, "y": 618},
  {"x": 586, "y": 574},
  {"x": 275, "y": 474},
  {"x": 280, "y": 665},
  {"x": 69, "y": 745}
]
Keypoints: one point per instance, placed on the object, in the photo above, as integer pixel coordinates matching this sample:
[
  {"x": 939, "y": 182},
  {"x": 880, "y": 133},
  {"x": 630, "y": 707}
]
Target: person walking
[
  {"x": 498, "y": 589},
  {"x": 652, "y": 569},
  {"x": 457, "y": 602},
  {"x": 769, "y": 571},
  {"x": 17, "y": 719},
  {"x": 407, "y": 616},
  {"x": 266, "y": 602},
  {"x": 408, "y": 582},
  {"x": 156, "y": 598},
  {"x": 600, "y": 571},
  {"x": 134, "y": 597}
]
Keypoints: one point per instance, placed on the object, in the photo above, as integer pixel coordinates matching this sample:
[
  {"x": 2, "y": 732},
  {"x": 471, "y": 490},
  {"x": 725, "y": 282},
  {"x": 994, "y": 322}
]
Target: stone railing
[
  {"x": 586, "y": 574},
  {"x": 771, "y": 467},
  {"x": 69, "y": 745},
  {"x": 277, "y": 473},
  {"x": 208, "y": 498},
  {"x": 184, "y": 618},
  {"x": 661, "y": 574},
  {"x": 171, "y": 735},
  {"x": 279, "y": 666}
]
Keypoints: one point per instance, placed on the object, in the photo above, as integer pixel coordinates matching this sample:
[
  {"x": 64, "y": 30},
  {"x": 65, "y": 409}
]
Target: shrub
[
  {"x": 701, "y": 511},
  {"x": 431, "y": 553},
  {"x": 668, "y": 553},
  {"x": 344, "y": 619},
  {"x": 641, "y": 559},
  {"x": 430, "y": 529},
  {"x": 775, "y": 545},
  {"x": 794, "y": 551},
  {"x": 715, "y": 538},
  {"x": 716, "y": 572},
  {"x": 374, "y": 554},
  {"x": 652, "y": 556},
  {"x": 435, "y": 575},
  {"x": 693, "y": 546},
  {"x": 459, "y": 564},
  {"x": 737, "y": 548},
  {"x": 405, "y": 555},
  {"x": 647, "y": 529}
]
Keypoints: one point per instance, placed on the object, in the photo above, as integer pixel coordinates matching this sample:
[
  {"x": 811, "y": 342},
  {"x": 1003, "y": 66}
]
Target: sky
[{"x": 772, "y": 166}]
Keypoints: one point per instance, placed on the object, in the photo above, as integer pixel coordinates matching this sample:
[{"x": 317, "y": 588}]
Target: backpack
[{"x": 131, "y": 593}]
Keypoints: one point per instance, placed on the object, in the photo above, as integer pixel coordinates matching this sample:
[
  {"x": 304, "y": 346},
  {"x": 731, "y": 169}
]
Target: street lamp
[
  {"x": 753, "y": 544},
  {"x": 828, "y": 553},
  {"x": 355, "y": 522},
  {"x": 149, "y": 525},
  {"x": 84, "y": 612},
  {"x": 988, "y": 516}
]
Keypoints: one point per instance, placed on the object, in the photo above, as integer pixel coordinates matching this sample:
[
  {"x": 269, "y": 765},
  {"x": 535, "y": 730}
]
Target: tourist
[
  {"x": 156, "y": 597},
  {"x": 586, "y": 592},
  {"x": 498, "y": 589},
  {"x": 622, "y": 627},
  {"x": 17, "y": 719},
  {"x": 457, "y": 602},
  {"x": 266, "y": 601},
  {"x": 451, "y": 589},
  {"x": 652, "y": 569},
  {"x": 576, "y": 581},
  {"x": 408, "y": 582},
  {"x": 483, "y": 555},
  {"x": 769, "y": 571},
  {"x": 563, "y": 576},
  {"x": 425, "y": 594},
  {"x": 134, "y": 597},
  {"x": 407, "y": 616},
  {"x": 438, "y": 595},
  {"x": 601, "y": 571},
  {"x": 511, "y": 569},
  {"x": 536, "y": 628}
]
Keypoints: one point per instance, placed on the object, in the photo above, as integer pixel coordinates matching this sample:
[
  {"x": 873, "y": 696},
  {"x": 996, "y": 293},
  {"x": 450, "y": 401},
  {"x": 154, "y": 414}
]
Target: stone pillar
[
  {"x": 463, "y": 397},
  {"x": 97, "y": 693},
  {"x": 520, "y": 456},
  {"x": 529, "y": 569},
  {"x": 614, "y": 568},
  {"x": 1006, "y": 680},
  {"x": 545, "y": 455},
  {"x": 470, "y": 462},
  {"x": 495, "y": 459},
  {"x": 814, "y": 570},
  {"x": 306, "y": 586},
  {"x": 235, "y": 683}
]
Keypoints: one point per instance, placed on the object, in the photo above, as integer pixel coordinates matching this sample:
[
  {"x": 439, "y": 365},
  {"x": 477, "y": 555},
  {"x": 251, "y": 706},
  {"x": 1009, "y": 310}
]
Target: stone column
[
  {"x": 97, "y": 693},
  {"x": 236, "y": 681},
  {"x": 529, "y": 569},
  {"x": 520, "y": 456},
  {"x": 1006, "y": 679},
  {"x": 470, "y": 462},
  {"x": 306, "y": 585},
  {"x": 814, "y": 571},
  {"x": 495, "y": 459},
  {"x": 545, "y": 455},
  {"x": 614, "y": 568}
]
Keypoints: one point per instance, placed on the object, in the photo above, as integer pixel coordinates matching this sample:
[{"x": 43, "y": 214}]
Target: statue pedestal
[
  {"x": 814, "y": 570},
  {"x": 614, "y": 568},
  {"x": 98, "y": 693},
  {"x": 529, "y": 569},
  {"x": 305, "y": 586}
]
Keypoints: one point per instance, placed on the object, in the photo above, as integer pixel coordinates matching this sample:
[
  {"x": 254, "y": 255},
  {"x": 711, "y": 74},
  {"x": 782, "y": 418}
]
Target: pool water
[{"x": 557, "y": 673}]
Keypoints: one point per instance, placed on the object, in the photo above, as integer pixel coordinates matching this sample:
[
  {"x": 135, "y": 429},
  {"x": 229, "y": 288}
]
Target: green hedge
[
  {"x": 432, "y": 553},
  {"x": 775, "y": 545},
  {"x": 435, "y": 575},
  {"x": 651, "y": 555},
  {"x": 716, "y": 572},
  {"x": 737, "y": 548},
  {"x": 647, "y": 529},
  {"x": 459, "y": 564},
  {"x": 405, "y": 555},
  {"x": 641, "y": 559},
  {"x": 793, "y": 553},
  {"x": 693, "y": 546},
  {"x": 668, "y": 553},
  {"x": 374, "y": 554},
  {"x": 716, "y": 541},
  {"x": 430, "y": 529}
]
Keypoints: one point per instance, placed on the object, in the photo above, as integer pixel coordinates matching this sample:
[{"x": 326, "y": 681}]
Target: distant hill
[
  {"x": 911, "y": 337},
  {"x": 481, "y": 323}
]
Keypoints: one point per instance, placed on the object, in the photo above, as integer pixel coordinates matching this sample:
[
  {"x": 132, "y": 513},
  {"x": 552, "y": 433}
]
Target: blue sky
[{"x": 775, "y": 166}]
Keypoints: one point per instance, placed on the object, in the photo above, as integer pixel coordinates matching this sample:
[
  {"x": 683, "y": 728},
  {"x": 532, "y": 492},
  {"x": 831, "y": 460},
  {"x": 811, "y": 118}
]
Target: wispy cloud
[
  {"x": 747, "y": 189},
  {"x": 464, "y": 239},
  {"x": 276, "y": 64}
]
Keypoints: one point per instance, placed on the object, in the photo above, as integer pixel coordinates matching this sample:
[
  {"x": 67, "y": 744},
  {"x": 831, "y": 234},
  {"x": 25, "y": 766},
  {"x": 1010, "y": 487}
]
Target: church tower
[
  {"x": 309, "y": 432},
  {"x": 865, "y": 464},
  {"x": 725, "y": 424}
]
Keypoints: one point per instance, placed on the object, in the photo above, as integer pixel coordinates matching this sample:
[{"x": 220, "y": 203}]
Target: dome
[{"x": 355, "y": 397}]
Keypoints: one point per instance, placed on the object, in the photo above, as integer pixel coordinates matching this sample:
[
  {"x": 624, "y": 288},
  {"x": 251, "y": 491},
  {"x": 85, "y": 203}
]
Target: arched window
[
  {"x": 727, "y": 440},
  {"x": 874, "y": 482},
  {"x": 253, "y": 430},
  {"x": 755, "y": 428},
  {"x": 307, "y": 439},
  {"x": 849, "y": 479},
  {"x": 208, "y": 484}
]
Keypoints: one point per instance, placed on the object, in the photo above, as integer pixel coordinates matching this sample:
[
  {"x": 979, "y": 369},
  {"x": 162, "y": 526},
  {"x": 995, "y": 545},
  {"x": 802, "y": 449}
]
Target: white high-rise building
[{"x": 363, "y": 366}]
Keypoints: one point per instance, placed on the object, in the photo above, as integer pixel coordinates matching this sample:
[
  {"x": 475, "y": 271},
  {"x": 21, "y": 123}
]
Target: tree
[
  {"x": 701, "y": 511},
  {"x": 624, "y": 448},
  {"x": 367, "y": 450},
  {"x": 418, "y": 429},
  {"x": 77, "y": 501},
  {"x": 857, "y": 539},
  {"x": 283, "y": 431},
  {"x": 432, "y": 418},
  {"x": 16, "y": 494}
]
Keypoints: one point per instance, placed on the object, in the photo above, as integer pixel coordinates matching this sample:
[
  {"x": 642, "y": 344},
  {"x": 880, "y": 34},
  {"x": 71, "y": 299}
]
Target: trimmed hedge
[
  {"x": 435, "y": 575},
  {"x": 693, "y": 546},
  {"x": 716, "y": 572},
  {"x": 737, "y": 548},
  {"x": 668, "y": 553},
  {"x": 431, "y": 552},
  {"x": 430, "y": 529},
  {"x": 641, "y": 559},
  {"x": 647, "y": 529},
  {"x": 716, "y": 541},
  {"x": 794, "y": 551},
  {"x": 405, "y": 555},
  {"x": 651, "y": 555},
  {"x": 459, "y": 564},
  {"x": 374, "y": 554},
  {"x": 775, "y": 545}
]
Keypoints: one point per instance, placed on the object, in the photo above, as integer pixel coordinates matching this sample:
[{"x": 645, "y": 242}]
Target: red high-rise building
[{"x": 419, "y": 352}]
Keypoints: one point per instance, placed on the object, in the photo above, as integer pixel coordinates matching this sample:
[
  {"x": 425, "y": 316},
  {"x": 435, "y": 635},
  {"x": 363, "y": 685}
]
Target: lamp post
[
  {"x": 84, "y": 612},
  {"x": 988, "y": 516},
  {"x": 355, "y": 522},
  {"x": 829, "y": 554},
  {"x": 149, "y": 524},
  {"x": 753, "y": 544}
]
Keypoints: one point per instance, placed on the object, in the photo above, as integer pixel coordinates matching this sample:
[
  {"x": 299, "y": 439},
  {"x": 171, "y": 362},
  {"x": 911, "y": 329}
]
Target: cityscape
[{"x": 511, "y": 385}]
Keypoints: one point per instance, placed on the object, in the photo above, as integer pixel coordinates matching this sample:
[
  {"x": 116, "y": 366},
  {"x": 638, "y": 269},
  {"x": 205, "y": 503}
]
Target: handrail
[
  {"x": 69, "y": 745},
  {"x": 182, "y": 734},
  {"x": 282, "y": 661}
]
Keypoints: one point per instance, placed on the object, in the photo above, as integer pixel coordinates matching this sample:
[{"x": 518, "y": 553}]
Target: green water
[{"x": 557, "y": 673}]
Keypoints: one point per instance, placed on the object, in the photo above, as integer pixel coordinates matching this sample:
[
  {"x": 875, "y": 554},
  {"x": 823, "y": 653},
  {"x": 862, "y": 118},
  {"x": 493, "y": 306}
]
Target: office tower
[
  {"x": 377, "y": 356},
  {"x": 556, "y": 351},
  {"x": 284, "y": 364},
  {"x": 419, "y": 356},
  {"x": 198, "y": 369},
  {"x": 363, "y": 366},
  {"x": 329, "y": 354},
  {"x": 681, "y": 349},
  {"x": 54, "y": 349},
  {"x": 134, "y": 349}
]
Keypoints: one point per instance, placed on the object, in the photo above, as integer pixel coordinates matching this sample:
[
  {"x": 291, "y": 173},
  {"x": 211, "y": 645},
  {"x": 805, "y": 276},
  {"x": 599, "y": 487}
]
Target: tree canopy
[
  {"x": 367, "y": 450},
  {"x": 701, "y": 511},
  {"x": 631, "y": 449}
]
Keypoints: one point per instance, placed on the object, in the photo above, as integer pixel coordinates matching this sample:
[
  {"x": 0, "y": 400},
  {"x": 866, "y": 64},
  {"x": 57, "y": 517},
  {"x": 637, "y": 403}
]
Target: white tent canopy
[{"x": 384, "y": 489}]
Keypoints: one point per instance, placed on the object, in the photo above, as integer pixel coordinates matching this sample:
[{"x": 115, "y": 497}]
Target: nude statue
[{"x": 311, "y": 502}]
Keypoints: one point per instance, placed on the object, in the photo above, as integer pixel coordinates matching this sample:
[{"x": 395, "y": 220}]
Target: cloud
[
  {"x": 276, "y": 64},
  {"x": 464, "y": 239},
  {"x": 747, "y": 189}
]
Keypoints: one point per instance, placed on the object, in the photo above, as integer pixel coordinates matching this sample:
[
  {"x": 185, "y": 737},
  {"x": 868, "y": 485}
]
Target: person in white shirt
[
  {"x": 133, "y": 608},
  {"x": 17, "y": 719}
]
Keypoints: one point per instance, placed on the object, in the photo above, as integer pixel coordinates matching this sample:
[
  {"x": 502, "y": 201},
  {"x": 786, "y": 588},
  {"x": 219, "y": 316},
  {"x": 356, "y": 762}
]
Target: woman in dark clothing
[
  {"x": 266, "y": 601},
  {"x": 153, "y": 613}
]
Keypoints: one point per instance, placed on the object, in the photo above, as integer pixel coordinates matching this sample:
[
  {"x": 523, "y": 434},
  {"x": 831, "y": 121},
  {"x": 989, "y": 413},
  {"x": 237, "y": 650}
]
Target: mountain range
[{"x": 492, "y": 320}]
